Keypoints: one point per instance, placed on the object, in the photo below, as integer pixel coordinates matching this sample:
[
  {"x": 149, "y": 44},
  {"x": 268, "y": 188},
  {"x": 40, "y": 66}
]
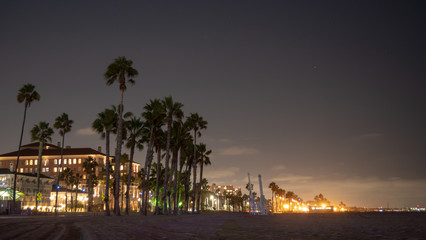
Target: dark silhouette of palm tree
[
  {"x": 204, "y": 160},
  {"x": 42, "y": 133},
  {"x": 63, "y": 124},
  {"x": 120, "y": 70},
  {"x": 136, "y": 132},
  {"x": 195, "y": 123},
  {"x": 173, "y": 109},
  {"x": 66, "y": 177},
  {"x": 26, "y": 94},
  {"x": 89, "y": 166},
  {"x": 153, "y": 115},
  {"x": 105, "y": 124}
]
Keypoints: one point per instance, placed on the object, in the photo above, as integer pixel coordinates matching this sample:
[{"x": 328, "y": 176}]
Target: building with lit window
[
  {"x": 26, "y": 186},
  {"x": 73, "y": 158}
]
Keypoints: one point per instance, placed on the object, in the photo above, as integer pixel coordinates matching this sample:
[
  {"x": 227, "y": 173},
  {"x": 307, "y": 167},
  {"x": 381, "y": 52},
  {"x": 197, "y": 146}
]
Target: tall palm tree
[
  {"x": 105, "y": 124},
  {"x": 173, "y": 109},
  {"x": 26, "y": 94},
  {"x": 158, "y": 143},
  {"x": 153, "y": 115},
  {"x": 42, "y": 133},
  {"x": 136, "y": 129},
  {"x": 195, "y": 123},
  {"x": 179, "y": 136},
  {"x": 66, "y": 177},
  {"x": 120, "y": 70},
  {"x": 77, "y": 178},
  {"x": 204, "y": 160},
  {"x": 63, "y": 124},
  {"x": 89, "y": 166}
]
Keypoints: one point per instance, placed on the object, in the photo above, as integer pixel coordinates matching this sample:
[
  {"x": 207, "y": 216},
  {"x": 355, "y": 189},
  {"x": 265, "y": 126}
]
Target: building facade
[{"x": 73, "y": 159}]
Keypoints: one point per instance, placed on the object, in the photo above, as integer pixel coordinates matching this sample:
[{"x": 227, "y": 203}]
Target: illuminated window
[
  {"x": 55, "y": 169},
  {"x": 26, "y": 162},
  {"x": 31, "y": 162},
  {"x": 22, "y": 170},
  {"x": 65, "y": 161},
  {"x": 43, "y": 170},
  {"x": 75, "y": 161},
  {"x": 121, "y": 167},
  {"x": 84, "y": 176},
  {"x": 47, "y": 169},
  {"x": 55, "y": 161},
  {"x": 60, "y": 169},
  {"x": 79, "y": 161},
  {"x": 35, "y": 162},
  {"x": 46, "y": 162}
]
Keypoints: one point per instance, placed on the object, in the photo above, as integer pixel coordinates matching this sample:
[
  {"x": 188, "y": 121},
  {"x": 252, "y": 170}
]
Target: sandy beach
[{"x": 218, "y": 226}]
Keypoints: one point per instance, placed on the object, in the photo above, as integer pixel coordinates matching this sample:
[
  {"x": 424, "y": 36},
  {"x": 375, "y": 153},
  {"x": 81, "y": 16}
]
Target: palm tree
[
  {"x": 89, "y": 166},
  {"x": 77, "y": 178},
  {"x": 153, "y": 115},
  {"x": 274, "y": 187},
  {"x": 135, "y": 128},
  {"x": 120, "y": 70},
  {"x": 204, "y": 160},
  {"x": 26, "y": 94},
  {"x": 63, "y": 124},
  {"x": 179, "y": 137},
  {"x": 66, "y": 176},
  {"x": 195, "y": 123},
  {"x": 105, "y": 124},
  {"x": 42, "y": 133},
  {"x": 173, "y": 109},
  {"x": 159, "y": 144}
]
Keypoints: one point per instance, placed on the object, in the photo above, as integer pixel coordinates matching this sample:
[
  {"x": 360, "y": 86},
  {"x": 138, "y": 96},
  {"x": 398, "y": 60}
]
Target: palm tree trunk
[
  {"x": 199, "y": 187},
  {"x": 107, "y": 213},
  {"x": 176, "y": 188},
  {"x": 157, "y": 190},
  {"x": 90, "y": 192},
  {"x": 129, "y": 179},
  {"x": 17, "y": 161},
  {"x": 117, "y": 158},
  {"x": 59, "y": 174},
  {"x": 145, "y": 178},
  {"x": 66, "y": 198},
  {"x": 166, "y": 167},
  {"x": 194, "y": 163},
  {"x": 40, "y": 149},
  {"x": 76, "y": 197},
  {"x": 188, "y": 179},
  {"x": 170, "y": 183}
]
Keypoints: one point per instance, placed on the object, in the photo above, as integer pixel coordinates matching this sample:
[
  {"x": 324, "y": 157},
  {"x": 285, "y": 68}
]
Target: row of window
[
  {"x": 55, "y": 169},
  {"x": 55, "y": 161}
]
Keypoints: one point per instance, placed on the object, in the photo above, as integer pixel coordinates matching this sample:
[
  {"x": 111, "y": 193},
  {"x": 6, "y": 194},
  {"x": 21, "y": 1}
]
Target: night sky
[{"x": 319, "y": 96}]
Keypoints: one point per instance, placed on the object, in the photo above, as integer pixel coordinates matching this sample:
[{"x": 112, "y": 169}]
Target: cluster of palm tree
[
  {"x": 161, "y": 128},
  {"x": 280, "y": 195}
]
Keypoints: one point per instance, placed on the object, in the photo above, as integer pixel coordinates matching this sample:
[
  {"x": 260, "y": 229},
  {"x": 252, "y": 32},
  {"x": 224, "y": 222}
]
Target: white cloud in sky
[
  {"x": 238, "y": 151},
  {"x": 86, "y": 131}
]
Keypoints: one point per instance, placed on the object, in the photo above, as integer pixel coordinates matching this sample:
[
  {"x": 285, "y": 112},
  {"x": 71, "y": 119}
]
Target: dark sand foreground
[{"x": 219, "y": 226}]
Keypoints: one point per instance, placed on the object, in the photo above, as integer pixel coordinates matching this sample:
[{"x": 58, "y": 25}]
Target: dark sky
[{"x": 318, "y": 96}]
